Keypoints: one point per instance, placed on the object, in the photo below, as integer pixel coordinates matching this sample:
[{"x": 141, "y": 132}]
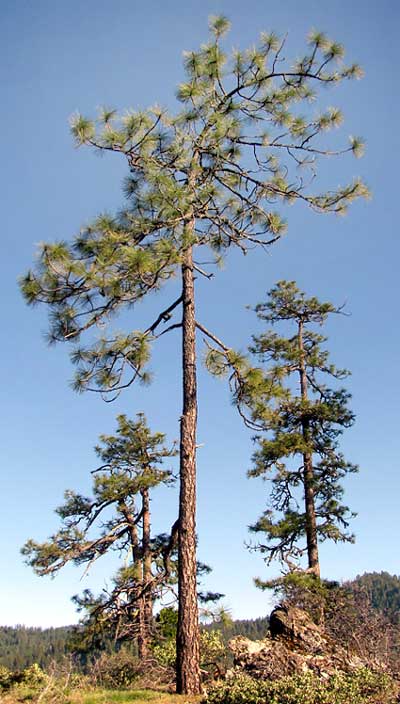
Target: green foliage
[
  {"x": 205, "y": 177},
  {"x": 165, "y": 653},
  {"x": 360, "y": 687},
  {"x": 219, "y": 25},
  {"x": 167, "y": 623},
  {"x": 113, "y": 519},
  {"x": 255, "y": 629},
  {"x": 347, "y": 614},
  {"x": 116, "y": 670},
  {"x": 303, "y": 590},
  {"x": 224, "y": 163},
  {"x": 21, "y": 647},
  {"x": 297, "y": 431},
  {"x": 383, "y": 590},
  {"x": 212, "y": 641},
  {"x": 129, "y": 465},
  {"x": 135, "y": 451},
  {"x": 33, "y": 677},
  {"x": 212, "y": 650},
  {"x": 212, "y": 647}
]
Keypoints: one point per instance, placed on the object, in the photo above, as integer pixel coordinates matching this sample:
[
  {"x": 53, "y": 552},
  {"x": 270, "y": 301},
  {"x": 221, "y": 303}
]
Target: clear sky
[{"x": 58, "y": 57}]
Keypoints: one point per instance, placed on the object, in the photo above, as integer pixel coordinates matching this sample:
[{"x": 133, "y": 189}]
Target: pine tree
[
  {"x": 302, "y": 420},
  {"x": 211, "y": 175},
  {"x": 130, "y": 469}
]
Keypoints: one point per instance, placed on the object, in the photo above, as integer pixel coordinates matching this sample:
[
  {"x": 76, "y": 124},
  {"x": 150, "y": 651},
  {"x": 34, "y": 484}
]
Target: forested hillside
[
  {"x": 21, "y": 646},
  {"x": 383, "y": 590},
  {"x": 255, "y": 629}
]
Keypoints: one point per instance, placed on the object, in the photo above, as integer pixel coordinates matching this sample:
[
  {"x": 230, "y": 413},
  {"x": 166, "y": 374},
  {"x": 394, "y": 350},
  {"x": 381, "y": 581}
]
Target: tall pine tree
[{"x": 211, "y": 175}]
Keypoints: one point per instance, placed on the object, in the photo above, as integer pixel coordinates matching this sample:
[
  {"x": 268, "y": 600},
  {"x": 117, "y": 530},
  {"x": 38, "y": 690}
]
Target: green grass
[
  {"x": 106, "y": 696},
  {"x": 98, "y": 696}
]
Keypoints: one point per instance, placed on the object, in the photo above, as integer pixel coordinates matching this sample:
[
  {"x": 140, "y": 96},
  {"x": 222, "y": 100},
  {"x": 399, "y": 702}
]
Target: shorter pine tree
[
  {"x": 302, "y": 427},
  {"x": 298, "y": 420},
  {"x": 118, "y": 515}
]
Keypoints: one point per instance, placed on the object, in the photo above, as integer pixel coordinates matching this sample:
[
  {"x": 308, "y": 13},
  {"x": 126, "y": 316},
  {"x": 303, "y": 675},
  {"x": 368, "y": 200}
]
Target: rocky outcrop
[{"x": 294, "y": 645}]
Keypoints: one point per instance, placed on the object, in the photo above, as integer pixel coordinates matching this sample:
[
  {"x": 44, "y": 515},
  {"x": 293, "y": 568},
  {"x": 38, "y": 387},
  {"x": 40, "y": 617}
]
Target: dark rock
[
  {"x": 295, "y": 645},
  {"x": 294, "y": 626}
]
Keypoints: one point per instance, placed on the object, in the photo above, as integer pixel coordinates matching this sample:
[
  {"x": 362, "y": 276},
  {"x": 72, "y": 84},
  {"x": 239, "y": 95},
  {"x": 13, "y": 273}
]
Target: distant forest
[
  {"x": 21, "y": 646},
  {"x": 383, "y": 590}
]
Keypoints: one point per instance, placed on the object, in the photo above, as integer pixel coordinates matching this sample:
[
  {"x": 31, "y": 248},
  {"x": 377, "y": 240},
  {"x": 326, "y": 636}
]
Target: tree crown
[
  {"x": 296, "y": 414},
  {"x": 213, "y": 174},
  {"x": 91, "y": 526}
]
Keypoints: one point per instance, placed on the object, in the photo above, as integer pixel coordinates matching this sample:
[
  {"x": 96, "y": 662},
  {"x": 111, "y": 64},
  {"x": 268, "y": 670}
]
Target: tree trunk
[
  {"x": 308, "y": 471},
  {"x": 138, "y": 600},
  {"x": 147, "y": 574},
  {"x": 187, "y": 641}
]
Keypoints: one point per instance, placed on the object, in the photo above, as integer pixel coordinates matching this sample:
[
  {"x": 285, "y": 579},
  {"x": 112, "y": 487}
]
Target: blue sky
[{"x": 58, "y": 57}]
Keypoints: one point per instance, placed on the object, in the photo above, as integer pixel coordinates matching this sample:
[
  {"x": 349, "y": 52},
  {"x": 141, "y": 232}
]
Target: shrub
[
  {"x": 346, "y": 613},
  {"x": 212, "y": 650},
  {"x": 212, "y": 646},
  {"x": 165, "y": 653},
  {"x": 32, "y": 677},
  {"x": 361, "y": 687},
  {"x": 116, "y": 670},
  {"x": 5, "y": 678}
]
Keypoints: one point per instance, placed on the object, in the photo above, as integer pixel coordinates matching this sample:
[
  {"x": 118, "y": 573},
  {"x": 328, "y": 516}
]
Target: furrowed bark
[
  {"x": 308, "y": 473},
  {"x": 138, "y": 601},
  {"x": 188, "y": 656}
]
